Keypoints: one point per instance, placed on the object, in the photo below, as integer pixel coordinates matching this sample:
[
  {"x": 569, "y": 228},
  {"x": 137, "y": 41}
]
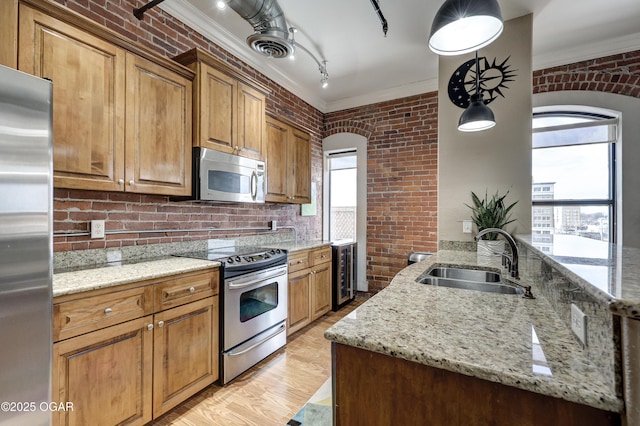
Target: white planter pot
[{"x": 487, "y": 248}]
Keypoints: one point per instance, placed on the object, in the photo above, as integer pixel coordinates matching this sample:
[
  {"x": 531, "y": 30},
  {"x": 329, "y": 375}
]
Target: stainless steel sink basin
[
  {"x": 468, "y": 279},
  {"x": 465, "y": 274}
]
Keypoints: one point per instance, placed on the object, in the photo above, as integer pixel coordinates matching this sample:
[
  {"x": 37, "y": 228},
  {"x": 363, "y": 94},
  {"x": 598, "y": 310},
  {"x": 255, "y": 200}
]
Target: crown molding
[
  {"x": 587, "y": 51},
  {"x": 398, "y": 92}
]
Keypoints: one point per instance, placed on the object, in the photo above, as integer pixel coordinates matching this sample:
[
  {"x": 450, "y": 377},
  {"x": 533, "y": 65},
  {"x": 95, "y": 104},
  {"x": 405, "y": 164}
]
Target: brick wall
[
  {"x": 401, "y": 179},
  {"x": 619, "y": 74},
  {"x": 168, "y": 36}
]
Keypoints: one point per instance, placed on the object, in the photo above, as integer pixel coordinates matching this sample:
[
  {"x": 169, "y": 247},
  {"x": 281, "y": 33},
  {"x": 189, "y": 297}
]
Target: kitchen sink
[
  {"x": 468, "y": 279},
  {"x": 465, "y": 274}
]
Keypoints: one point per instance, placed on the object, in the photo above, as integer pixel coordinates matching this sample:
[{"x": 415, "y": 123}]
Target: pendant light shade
[
  {"x": 477, "y": 116},
  {"x": 462, "y": 26}
]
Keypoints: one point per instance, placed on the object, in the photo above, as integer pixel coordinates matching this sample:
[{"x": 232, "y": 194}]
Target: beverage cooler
[{"x": 344, "y": 273}]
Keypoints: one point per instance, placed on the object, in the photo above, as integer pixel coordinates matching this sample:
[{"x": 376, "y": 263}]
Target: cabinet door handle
[
  {"x": 131, "y": 182},
  {"x": 160, "y": 323},
  {"x": 120, "y": 181},
  {"x": 150, "y": 327},
  {"x": 108, "y": 311},
  {"x": 192, "y": 289}
]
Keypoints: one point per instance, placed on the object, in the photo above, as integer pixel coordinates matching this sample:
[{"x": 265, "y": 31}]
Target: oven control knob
[
  {"x": 230, "y": 260},
  {"x": 237, "y": 259},
  {"x": 267, "y": 256}
]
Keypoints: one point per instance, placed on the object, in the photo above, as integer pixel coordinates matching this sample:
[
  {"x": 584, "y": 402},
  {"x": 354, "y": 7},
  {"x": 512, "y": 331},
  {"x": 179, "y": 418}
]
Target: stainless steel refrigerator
[{"x": 26, "y": 199}]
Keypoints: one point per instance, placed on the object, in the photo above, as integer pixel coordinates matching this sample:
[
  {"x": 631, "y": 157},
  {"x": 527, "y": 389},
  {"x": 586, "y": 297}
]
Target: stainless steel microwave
[{"x": 218, "y": 176}]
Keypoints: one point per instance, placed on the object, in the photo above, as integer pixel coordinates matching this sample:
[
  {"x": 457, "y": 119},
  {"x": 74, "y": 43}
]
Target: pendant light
[
  {"x": 462, "y": 26},
  {"x": 477, "y": 116}
]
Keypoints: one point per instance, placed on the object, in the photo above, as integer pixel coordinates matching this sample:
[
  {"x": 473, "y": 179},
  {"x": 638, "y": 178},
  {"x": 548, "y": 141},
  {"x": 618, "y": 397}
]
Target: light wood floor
[{"x": 271, "y": 392}]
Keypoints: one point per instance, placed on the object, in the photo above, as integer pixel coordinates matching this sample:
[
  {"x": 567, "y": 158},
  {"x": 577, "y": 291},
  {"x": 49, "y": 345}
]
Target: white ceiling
[{"x": 365, "y": 67}]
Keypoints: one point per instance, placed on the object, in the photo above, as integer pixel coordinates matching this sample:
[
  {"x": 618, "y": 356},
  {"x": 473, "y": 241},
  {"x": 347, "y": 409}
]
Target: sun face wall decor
[{"x": 492, "y": 80}]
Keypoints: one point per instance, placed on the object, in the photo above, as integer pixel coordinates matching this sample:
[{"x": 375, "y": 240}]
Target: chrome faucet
[{"x": 512, "y": 262}]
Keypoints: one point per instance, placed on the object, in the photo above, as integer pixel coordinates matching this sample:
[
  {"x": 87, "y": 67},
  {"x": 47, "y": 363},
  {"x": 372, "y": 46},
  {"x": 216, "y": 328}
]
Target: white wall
[
  {"x": 341, "y": 142},
  {"x": 627, "y": 153},
  {"x": 493, "y": 159}
]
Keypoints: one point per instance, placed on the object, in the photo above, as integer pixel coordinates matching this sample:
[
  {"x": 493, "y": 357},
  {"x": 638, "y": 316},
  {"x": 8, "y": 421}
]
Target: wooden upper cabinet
[
  {"x": 88, "y": 76},
  {"x": 158, "y": 129},
  {"x": 229, "y": 107},
  {"x": 121, "y": 114},
  {"x": 215, "y": 122},
  {"x": 276, "y": 160},
  {"x": 251, "y": 122},
  {"x": 300, "y": 162},
  {"x": 288, "y": 162}
]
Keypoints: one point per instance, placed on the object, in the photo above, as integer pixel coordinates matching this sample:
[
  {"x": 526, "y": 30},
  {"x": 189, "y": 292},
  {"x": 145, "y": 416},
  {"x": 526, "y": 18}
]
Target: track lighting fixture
[{"x": 322, "y": 66}]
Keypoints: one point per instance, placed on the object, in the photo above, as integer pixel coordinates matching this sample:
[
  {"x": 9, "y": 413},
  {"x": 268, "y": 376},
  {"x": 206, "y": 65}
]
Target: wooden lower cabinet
[
  {"x": 185, "y": 351},
  {"x": 298, "y": 299},
  {"x": 106, "y": 375},
  {"x": 320, "y": 291},
  {"x": 137, "y": 370},
  {"x": 309, "y": 287},
  {"x": 376, "y": 389}
]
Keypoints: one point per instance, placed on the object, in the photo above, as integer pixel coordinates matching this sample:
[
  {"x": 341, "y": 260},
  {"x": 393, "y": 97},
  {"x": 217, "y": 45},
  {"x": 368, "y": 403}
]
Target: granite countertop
[
  {"x": 501, "y": 338},
  {"x": 107, "y": 275},
  {"x": 608, "y": 272},
  {"x": 292, "y": 246}
]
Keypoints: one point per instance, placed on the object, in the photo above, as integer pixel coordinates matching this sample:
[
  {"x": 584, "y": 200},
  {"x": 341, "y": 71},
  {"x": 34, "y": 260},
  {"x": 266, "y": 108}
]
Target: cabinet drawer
[
  {"x": 91, "y": 313},
  {"x": 321, "y": 255},
  {"x": 298, "y": 260},
  {"x": 186, "y": 288}
]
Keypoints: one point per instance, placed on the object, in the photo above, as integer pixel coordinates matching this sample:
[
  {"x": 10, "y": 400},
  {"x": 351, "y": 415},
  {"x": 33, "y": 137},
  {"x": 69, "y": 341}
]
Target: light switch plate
[
  {"x": 579, "y": 323},
  {"x": 466, "y": 226}
]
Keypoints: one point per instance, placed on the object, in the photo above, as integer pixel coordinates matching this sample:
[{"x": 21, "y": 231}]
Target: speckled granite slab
[
  {"x": 300, "y": 245},
  {"x": 612, "y": 274},
  {"x": 502, "y": 338},
  {"x": 92, "y": 279}
]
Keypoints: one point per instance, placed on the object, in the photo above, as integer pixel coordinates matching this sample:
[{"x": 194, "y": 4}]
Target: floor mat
[{"x": 317, "y": 411}]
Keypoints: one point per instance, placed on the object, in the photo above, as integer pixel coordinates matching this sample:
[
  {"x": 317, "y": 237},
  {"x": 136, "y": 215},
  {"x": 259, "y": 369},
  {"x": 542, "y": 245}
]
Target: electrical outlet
[
  {"x": 97, "y": 229},
  {"x": 274, "y": 225},
  {"x": 466, "y": 226},
  {"x": 579, "y": 323}
]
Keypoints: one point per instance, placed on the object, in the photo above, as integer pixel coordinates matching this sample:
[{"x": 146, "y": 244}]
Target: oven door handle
[
  {"x": 280, "y": 330},
  {"x": 236, "y": 286}
]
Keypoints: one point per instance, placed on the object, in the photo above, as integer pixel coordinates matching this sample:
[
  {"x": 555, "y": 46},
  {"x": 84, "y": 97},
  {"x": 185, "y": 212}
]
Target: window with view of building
[{"x": 573, "y": 167}]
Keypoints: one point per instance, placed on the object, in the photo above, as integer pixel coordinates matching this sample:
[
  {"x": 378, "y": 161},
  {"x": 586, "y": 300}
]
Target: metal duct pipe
[{"x": 271, "y": 37}]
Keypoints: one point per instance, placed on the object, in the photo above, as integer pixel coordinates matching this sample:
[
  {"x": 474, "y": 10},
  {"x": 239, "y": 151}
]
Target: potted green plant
[{"x": 490, "y": 212}]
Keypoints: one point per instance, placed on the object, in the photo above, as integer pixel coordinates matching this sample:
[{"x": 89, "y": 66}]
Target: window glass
[
  {"x": 573, "y": 187},
  {"x": 343, "y": 196},
  {"x": 578, "y": 172}
]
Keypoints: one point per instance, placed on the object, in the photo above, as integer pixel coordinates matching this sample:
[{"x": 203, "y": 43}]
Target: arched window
[{"x": 573, "y": 172}]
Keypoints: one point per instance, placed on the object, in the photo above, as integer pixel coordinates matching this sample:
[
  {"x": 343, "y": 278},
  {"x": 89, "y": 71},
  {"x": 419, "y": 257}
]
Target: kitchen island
[{"x": 421, "y": 354}]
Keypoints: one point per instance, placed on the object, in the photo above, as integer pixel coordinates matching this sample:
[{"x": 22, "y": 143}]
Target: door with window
[{"x": 343, "y": 195}]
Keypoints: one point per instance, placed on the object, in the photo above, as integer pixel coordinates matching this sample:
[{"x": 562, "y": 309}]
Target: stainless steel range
[{"x": 254, "y": 305}]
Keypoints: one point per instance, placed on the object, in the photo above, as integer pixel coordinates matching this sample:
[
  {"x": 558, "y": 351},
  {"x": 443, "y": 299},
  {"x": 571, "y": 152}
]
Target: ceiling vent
[{"x": 271, "y": 37}]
